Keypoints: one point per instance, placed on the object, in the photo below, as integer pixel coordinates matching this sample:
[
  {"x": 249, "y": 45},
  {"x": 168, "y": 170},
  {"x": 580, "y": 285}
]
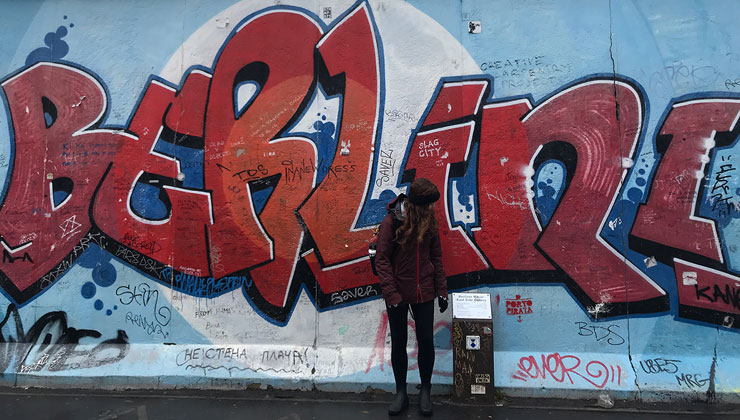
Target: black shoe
[
  {"x": 400, "y": 403},
  {"x": 425, "y": 400}
]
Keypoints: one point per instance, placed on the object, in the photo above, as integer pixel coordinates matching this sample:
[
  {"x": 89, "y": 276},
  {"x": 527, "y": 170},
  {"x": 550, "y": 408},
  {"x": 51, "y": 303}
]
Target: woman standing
[{"x": 409, "y": 264}]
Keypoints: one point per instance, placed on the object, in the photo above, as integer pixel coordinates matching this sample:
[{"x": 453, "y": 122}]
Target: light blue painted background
[{"x": 124, "y": 43}]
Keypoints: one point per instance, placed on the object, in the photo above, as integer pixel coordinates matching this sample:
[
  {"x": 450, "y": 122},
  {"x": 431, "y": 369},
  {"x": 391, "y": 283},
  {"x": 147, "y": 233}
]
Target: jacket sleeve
[
  {"x": 440, "y": 279},
  {"x": 384, "y": 261}
]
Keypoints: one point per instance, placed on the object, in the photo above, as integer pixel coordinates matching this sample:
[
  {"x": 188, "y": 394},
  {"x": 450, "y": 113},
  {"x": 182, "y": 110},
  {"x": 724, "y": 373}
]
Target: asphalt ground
[{"x": 43, "y": 404}]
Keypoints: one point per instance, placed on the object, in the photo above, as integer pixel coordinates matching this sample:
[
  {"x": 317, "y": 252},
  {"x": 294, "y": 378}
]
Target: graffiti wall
[{"x": 189, "y": 189}]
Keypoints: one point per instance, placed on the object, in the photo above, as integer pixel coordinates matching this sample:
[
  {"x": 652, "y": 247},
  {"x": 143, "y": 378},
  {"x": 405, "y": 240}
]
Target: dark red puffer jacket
[{"x": 413, "y": 275}]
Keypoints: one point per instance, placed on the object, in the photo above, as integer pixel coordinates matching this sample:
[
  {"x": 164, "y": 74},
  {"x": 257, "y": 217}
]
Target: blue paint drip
[
  {"x": 326, "y": 145},
  {"x": 191, "y": 162},
  {"x": 55, "y": 48},
  {"x": 59, "y": 197},
  {"x": 259, "y": 199},
  {"x": 145, "y": 202},
  {"x": 373, "y": 211},
  {"x": 92, "y": 257},
  {"x": 104, "y": 274},
  {"x": 88, "y": 290},
  {"x": 549, "y": 181},
  {"x": 323, "y": 134},
  {"x": 622, "y": 217},
  {"x": 634, "y": 195},
  {"x": 467, "y": 195},
  {"x": 442, "y": 339}
]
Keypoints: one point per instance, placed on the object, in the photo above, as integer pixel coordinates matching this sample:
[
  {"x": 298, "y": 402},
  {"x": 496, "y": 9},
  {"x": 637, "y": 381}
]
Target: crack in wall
[
  {"x": 611, "y": 57},
  {"x": 711, "y": 394},
  {"x": 619, "y": 127},
  {"x": 634, "y": 371}
]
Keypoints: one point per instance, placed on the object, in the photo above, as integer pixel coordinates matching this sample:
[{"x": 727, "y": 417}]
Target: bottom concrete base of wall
[
  {"x": 343, "y": 369},
  {"x": 169, "y": 383}
]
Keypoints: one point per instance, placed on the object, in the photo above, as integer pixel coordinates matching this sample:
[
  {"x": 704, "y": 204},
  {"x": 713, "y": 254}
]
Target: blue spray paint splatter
[
  {"x": 145, "y": 202},
  {"x": 88, "y": 290},
  {"x": 103, "y": 274},
  {"x": 326, "y": 144},
  {"x": 466, "y": 187},
  {"x": 55, "y": 48},
  {"x": 549, "y": 179}
]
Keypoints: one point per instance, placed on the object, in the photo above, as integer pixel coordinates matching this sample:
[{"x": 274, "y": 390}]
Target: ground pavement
[{"x": 41, "y": 404}]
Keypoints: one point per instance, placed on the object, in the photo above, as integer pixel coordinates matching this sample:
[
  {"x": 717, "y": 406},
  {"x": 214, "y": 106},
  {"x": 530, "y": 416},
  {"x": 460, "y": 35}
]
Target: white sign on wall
[{"x": 471, "y": 305}]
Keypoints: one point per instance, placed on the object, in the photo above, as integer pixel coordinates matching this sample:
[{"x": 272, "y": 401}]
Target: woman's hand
[{"x": 442, "y": 301}]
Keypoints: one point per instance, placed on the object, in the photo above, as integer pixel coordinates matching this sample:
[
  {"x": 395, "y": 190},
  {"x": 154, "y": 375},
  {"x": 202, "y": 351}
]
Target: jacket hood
[{"x": 394, "y": 207}]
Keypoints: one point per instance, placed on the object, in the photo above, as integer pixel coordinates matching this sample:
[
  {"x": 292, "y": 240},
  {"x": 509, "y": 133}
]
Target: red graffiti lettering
[
  {"x": 281, "y": 64},
  {"x": 60, "y": 158},
  {"x": 567, "y": 367},
  {"x": 187, "y": 213},
  {"x": 208, "y": 189},
  {"x": 508, "y": 231},
  {"x": 685, "y": 141},
  {"x": 456, "y": 100},
  {"x": 518, "y": 306},
  {"x": 597, "y": 137},
  {"x": 433, "y": 152},
  {"x": 339, "y": 240}
]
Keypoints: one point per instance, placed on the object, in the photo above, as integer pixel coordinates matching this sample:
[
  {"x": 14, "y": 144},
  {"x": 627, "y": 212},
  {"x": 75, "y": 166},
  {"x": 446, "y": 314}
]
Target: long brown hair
[{"x": 420, "y": 219}]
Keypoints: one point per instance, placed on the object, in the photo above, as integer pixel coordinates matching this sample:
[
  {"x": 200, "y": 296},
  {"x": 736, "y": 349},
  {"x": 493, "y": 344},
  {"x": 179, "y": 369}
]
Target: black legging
[{"x": 424, "y": 319}]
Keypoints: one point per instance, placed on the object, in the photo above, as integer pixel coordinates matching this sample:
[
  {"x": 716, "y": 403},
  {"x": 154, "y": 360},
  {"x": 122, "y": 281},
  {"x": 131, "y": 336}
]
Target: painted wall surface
[{"x": 189, "y": 189}]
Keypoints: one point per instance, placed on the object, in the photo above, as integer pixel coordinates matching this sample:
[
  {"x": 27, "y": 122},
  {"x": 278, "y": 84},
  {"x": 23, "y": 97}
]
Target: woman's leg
[
  {"x": 424, "y": 318},
  {"x": 397, "y": 321},
  {"x": 399, "y": 358}
]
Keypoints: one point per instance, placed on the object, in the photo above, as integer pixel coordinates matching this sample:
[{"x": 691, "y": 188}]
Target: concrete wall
[{"x": 189, "y": 189}]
